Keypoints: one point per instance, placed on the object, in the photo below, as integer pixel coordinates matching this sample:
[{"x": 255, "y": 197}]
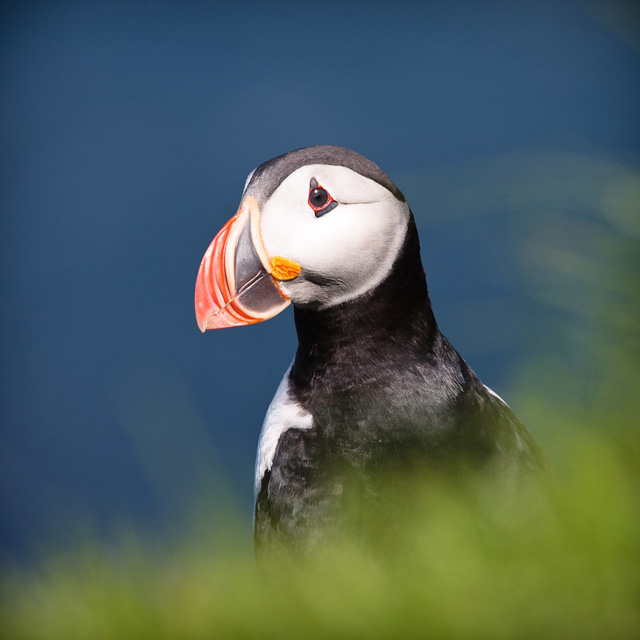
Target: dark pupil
[{"x": 318, "y": 197}]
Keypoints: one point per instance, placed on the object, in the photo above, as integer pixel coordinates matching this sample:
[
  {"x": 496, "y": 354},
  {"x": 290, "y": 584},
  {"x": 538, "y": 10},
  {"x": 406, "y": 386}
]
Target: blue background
[{"x": 128, "y": 129}]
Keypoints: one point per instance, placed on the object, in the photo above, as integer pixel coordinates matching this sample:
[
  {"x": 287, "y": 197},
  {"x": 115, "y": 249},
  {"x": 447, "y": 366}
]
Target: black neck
[{"x": 394, "y": 317}]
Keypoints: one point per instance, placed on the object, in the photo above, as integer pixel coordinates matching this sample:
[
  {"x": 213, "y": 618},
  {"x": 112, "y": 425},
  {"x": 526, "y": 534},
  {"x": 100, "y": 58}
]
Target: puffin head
[{"x": 316, "y": 227}]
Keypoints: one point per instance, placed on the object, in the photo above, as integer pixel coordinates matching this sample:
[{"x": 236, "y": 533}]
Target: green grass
[{"x": 561, "y": 561}]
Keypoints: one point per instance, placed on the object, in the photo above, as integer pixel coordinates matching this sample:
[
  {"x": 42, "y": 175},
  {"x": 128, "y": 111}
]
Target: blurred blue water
[{"x": 127, "y": 131}]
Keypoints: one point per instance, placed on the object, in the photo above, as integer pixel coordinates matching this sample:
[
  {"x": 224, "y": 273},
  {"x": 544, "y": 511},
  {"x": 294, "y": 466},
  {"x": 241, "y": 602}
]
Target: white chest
[{"x": 283, "y": 413}]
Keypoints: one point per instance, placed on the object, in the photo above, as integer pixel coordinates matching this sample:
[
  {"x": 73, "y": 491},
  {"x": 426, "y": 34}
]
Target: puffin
[{"x": 375, "y": 391}]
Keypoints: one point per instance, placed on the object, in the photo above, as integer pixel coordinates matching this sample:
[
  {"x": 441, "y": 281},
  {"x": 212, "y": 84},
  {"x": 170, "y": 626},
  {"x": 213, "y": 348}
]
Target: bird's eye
[{"x": 320, "y": 199}]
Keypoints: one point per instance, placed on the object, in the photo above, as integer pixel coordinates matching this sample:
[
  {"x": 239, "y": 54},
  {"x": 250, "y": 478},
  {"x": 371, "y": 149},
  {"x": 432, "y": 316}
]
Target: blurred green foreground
[
  {"x": 562, "y": 562},
  {"x": 566, "y": 565}
]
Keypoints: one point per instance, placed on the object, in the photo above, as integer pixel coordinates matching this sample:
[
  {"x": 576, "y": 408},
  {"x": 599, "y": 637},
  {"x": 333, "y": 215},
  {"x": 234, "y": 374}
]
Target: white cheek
[
  {"x": 352, "y": 248},
  {"x": 353, "y": 240}
]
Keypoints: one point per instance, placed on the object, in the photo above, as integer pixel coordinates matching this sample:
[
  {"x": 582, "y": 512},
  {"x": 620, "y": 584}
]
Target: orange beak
[{"x": 236, "y": 283}]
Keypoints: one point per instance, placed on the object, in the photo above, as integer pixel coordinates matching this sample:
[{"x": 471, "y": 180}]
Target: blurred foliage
[
  {"x": 575, "y": 230},
  {"x": 563, "y": 561}
]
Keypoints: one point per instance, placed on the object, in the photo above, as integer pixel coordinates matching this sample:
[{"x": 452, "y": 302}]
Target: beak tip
[{"x": 201, "y": 318}]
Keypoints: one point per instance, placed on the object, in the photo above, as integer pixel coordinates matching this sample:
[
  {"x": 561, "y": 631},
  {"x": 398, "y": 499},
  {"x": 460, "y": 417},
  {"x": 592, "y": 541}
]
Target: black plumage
[
  {"x": 376, "y": 393},
  {"x": 387, "y": 392}
]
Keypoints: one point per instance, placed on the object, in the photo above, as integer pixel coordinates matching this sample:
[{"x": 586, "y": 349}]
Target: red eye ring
[{"x": 320, "y": 199}]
